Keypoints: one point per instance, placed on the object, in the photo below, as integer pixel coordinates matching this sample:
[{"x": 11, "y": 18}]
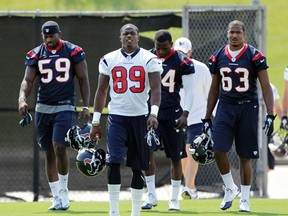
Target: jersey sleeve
[
  {"x": 154, "y": 65},
  {"x": 259, "y": 60},
  {"x": 78, "y": 55},
  {"x": 103, "y": 66},
  {"x": 31, "y": 58},
  {"x": 186, "y": 64}
]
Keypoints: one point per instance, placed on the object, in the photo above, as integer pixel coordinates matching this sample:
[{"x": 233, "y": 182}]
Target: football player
[
  {"x": 176, "y": 69},
  {"x": 130, "y": 72},
  {"x": 56, "y": 62},
  {"x": 235, "y": 69}
]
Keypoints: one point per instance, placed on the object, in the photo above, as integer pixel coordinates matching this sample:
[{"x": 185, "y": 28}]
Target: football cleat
[
  {"x": 229, "y": 196},
  {"x": 244, "y": 206},
  {"x": 56, "y": 204},
  {"x": 64, "y": 199},
  {"x": 150, "y": 202},
  {"x": 187, "y": 193},
  {"x": 174, "y": 205}
]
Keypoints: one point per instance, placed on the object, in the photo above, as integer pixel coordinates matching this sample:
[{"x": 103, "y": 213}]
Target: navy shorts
[
  {"x": 239, "y": 122},
  {"x": 125, "y": 140},
  {"x": 173, "y": 141},
  {"x": 53, "y": 128},
  {"x": 192, "y": 131}
]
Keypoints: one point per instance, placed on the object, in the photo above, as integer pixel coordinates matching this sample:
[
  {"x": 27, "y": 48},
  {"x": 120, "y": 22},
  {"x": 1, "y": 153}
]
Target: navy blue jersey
[
  {"x": 175, "y": 65},
  {"x": 239, "y": 74},
  {"x": 55, "y": 70}
]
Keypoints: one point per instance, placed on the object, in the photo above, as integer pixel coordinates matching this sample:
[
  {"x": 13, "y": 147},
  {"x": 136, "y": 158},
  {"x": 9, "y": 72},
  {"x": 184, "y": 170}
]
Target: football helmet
[
  {"x": 91, "y": 161},
  {"x": 79, "y": 137},
  {"x": 278, "y": 144},
  {"x": 201, "y": 149}
]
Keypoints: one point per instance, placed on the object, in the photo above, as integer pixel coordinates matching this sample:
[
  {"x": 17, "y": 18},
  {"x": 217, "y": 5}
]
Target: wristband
[
  {"x": 270, "y": 110},
  {"x": 96, "y": 118},
  {"x": 22, "y": 98},
  {"x": 154, "y": 110}
]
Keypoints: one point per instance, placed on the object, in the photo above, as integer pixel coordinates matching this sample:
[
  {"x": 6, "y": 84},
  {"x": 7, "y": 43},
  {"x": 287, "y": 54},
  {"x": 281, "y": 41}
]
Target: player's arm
[
  {"x": 26, "y": 89},
  {"x": 99, "y": 103},
  {"x": 285, "y": 99},
  {"x": 267, "y": 91},
  {"x": 187, "y": 81},
  {"x": 213, "y": 95},
  {"x": 81, "y": 72},
  {"x": 155, "y": 86}
]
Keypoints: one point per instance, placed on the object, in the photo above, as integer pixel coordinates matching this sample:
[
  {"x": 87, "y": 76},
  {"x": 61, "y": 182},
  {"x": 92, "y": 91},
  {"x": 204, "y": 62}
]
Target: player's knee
[{"x": 138, "y": 179}]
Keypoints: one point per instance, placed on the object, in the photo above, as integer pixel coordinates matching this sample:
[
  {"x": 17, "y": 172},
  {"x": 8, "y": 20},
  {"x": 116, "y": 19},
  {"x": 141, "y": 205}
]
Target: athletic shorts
[
  {"x": 239, "y": 122},
  {"x": 125, "y": 140},
  {"x": 172, "y": 140},
  {"x": 192, "y": 131},
  {"x": 53, "y": 128}
]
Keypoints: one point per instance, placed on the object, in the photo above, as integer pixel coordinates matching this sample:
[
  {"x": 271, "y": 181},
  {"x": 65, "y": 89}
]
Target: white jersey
[
  {"x": 200, "y": 86},
  {"x": 129, "y": 82}
]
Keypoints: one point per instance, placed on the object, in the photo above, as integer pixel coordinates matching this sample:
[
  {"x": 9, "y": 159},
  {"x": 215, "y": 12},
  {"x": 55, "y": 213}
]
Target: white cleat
[
  {"x": 150, "y": 202},
  {"x": 174, "y": 205},
  {"x": 56, "y": 204},
  {"x": 244, "y": 206},
  {"x": 229, "y": 196},
  {"x": 187, "y": 193},
  {"x": 64, "y": 199}
]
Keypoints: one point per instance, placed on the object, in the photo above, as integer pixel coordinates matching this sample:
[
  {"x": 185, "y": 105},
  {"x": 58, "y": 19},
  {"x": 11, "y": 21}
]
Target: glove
[
  {"x": 152, "y": 138},
  {"x": 284, "y": 121},
  {"x": 268, "y": 126},
  {"x": 207, "y": 126},
  {"x": 26, "y": 120}
]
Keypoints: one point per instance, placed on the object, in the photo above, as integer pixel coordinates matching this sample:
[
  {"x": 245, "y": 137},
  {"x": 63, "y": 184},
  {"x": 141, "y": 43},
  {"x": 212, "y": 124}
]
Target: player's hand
[
  {"x": 207, "y": 126},
  {"x": 152, "y": 122},
  {"x": 181, "y": 123},
  {"x": 95, "y": 133},
  {"x": 85, "y": 114},
  {"x": 284, "y": 123},
  {"x": 22, "y": 107},
  {"x": 268, "y": 126},
  {"x": 26, "y": 120}
]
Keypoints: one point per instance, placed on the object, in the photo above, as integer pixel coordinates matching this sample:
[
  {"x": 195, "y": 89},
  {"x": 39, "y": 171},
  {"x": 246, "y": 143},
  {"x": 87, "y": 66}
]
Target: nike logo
[
  {"x": 261, "y": 61},
  {"x": 177, "y": 110}
]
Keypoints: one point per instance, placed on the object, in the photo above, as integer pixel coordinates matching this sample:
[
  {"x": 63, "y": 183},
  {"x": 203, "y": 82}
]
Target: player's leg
[
  {"x": 137, "y": 185},
  {"x": 44, "y": 139},
  {"x": 117, "y": 150},
  {"x": 63, "y": 121},
  {"x": 246, "y": 142},
  {"x": 151, "y": 197},
  {"x": 223, "y": 135},
  {"x": 191, "y": 169}
]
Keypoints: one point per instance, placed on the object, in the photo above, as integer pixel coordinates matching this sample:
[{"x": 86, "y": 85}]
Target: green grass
[{"x": 203, "y": 207}]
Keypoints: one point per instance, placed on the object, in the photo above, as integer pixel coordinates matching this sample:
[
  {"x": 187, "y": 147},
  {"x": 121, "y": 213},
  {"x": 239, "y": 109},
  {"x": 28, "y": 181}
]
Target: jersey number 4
[{"x": 122, "y": 79}]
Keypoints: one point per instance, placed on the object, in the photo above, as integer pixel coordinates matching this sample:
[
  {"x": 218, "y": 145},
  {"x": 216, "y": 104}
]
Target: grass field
[{"x": 203, "y": 207}]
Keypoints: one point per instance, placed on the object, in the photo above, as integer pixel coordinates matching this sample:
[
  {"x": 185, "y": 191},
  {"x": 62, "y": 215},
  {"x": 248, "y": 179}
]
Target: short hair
[
  {"x": 236, "y": 22},
  {"x": 129, "y": 25},
  {"x": 50, "y": 27},
  {"x": 163, "y": 35}
]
